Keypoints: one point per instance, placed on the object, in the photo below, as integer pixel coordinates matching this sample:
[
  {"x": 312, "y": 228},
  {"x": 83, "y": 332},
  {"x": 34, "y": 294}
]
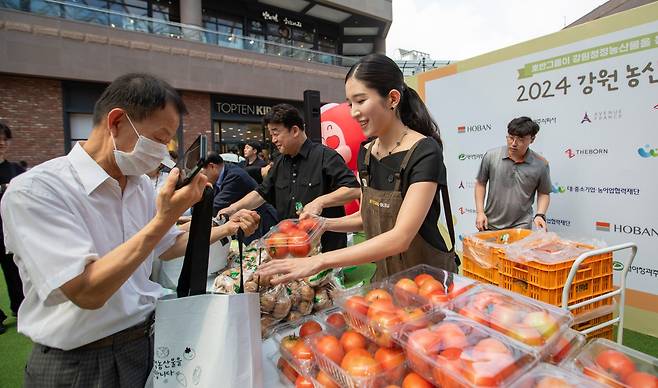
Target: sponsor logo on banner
[
  {"x": 546, "y": 120},
  {"x": 557, "y": 189},
  {"x": 644, "y": 271},
  {"x": 474, "y": 128},
  {"x": 602, "y": 115},
  {"x": 636, "y": 230},
  {"x": 647, "y": 151},
  {"x": 470, "y": 156},
  {"x": 466, "y": 185},
  {"x": 573, "y": 152},
  {"x": 465, "y": 210},
  {"x": 617, "y": 265},
  {"x": 557, "y": 221}
]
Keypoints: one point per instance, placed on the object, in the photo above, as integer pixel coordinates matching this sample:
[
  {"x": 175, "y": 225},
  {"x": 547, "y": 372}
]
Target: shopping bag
[{"x": 206, "y": 340}]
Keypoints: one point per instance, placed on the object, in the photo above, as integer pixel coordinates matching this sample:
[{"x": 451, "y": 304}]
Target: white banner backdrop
[{"x": 596, "y": 101}]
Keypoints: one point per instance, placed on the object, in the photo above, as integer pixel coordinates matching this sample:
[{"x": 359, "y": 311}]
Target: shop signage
[
  {"x": 229, "y": 108},
  {"x": 275, "y": 18}
]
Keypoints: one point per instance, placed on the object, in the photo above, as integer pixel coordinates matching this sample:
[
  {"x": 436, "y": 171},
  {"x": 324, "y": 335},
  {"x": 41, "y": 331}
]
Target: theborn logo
[
  {"x": 608, "y": 114},
  {"x": 464, "y": 210},
  {"x": 474, "y": 128},
  {"x": 647, "y": 151},
  {"x": 470, "y": 156},
  {"x": 573, "y": 152},
  {"x": 635, "y": 230}
]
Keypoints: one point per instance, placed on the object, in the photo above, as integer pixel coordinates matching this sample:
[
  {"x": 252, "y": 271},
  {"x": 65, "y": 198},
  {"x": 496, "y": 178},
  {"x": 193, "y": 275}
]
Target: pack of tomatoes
[
  {"x": 294, "y": 238},
  {"x": 452, "y": 351},
  {"x": 534, "y": 323},
  {"x": 433, "y": 285},
  {"x": 549, "y": 376},
  {"x": 616, "y": 365},
  {"x": 378, "y": 311},
  {"x": 351, "y": 360},
  {"x": 569, "y": 343}
]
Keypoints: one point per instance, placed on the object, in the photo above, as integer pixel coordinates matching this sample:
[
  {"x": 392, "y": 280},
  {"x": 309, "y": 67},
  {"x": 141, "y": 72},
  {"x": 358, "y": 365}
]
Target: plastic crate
[
  {"x": 605, "y": 333},
  {"x": 473, "y": 270}
]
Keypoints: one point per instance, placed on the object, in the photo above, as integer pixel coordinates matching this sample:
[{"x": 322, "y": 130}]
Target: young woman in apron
[{"x": 401, "y": 172}]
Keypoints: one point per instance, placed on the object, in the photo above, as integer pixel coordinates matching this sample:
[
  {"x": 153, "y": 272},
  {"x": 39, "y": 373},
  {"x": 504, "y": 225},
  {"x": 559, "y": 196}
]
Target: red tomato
[
  {"x": 289, "y": 342},
  {"x": 641, "y": 380},
  {"x": 429, "y": 286},
  {"x": 615, "y": 363},
  {"x": 381, "y": 306},
  {"x": 422, "y": 342},
  {"x": 308, "y": 328},
  {"x": 491, "y": 346},
  {"x": 489, "y": 372},
  {"x": 525, "y": 334},
  {"x": 404, "y": 289},
  {"x": 391, "y": 360},
  {"x": 378, "y": 294},
  {"x": 448, "y": 368},
  {"x": 330, "y": 348},
  {"x": 420, "y": 279},
  {"x": 385, "y": 327},
  {"x": 298, "y": 243},
  {"x": 287, "y": 370},
  {"x": 356, "y": 304},
  {"x": 325, "y": 380},
  {"x": 308, "y": 225},
  {"x": 359, "y": 364},
  {"x": 413, "y": 380},
  {"x": 303, "y": 382},
  {"x": 286, "y": 226},
  {"x": 352, "y": 340},
  {"x": 277, "y": 245},
  {"x": 301, "y": 352},
  {"x": 450, "y": 335},
  {"x": 413, "y": 316},
  {"x": 336, "y": 320}
]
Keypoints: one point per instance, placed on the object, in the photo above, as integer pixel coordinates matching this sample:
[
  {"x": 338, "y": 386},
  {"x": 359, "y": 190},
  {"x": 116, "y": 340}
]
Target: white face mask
[{"x": 145, "y": 157}]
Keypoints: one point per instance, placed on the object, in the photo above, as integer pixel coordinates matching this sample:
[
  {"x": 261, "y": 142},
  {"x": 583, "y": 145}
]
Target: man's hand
[
  {"x": 247, "y": 220},
  {"x": 265, "y": 170},
  {"x": 539, "y": 223},
  {"x": 171, "y": 203},
  {"x": 481, "y": 222},
  {"x": 227, "y": 210},
  {"x": 312, "y": 208}
]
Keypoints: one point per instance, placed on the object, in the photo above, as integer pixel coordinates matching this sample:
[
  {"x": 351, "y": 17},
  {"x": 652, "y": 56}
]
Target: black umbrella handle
[{"x": 240, "y": 243}]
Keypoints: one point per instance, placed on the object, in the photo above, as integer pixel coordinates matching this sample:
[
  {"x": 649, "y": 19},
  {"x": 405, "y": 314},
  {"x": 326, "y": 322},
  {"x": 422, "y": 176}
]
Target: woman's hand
[{"x": 287, "y": 270}]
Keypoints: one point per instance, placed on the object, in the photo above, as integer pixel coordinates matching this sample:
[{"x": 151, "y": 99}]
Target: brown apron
[{"x": 379, "y": 211}]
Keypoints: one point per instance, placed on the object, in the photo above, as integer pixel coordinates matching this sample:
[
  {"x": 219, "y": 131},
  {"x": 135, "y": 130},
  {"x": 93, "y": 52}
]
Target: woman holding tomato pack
[{"x": 401, "y": 171}]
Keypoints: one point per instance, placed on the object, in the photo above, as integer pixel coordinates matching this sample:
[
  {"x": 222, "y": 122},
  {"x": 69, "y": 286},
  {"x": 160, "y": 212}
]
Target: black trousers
[{"x": 13, "y": 280}]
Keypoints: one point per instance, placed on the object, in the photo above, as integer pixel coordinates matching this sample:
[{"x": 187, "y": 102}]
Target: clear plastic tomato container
[
  {"x": 534, "y": 323},
  {"x": 377, "y": 312},
  {"x": 616, "y": 365},
  {"x": 569, "y": 343},
  {"x": 288, "y": 374},
  {"x": 294, "y": 238},
  {"x": 450, "y": 284},
  {"x": 367, "y": 367},
  {"x": 293, "y": 347},
  {"x": 332, "y": 317},
  {"x": 454, "y": 351},
  {"x": 550, "y": 376}
]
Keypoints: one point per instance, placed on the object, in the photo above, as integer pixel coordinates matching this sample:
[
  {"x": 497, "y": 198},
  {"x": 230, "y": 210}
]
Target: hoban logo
[
  {"x": 636, "y": 230},
  {"x": 474, "y": 128}
]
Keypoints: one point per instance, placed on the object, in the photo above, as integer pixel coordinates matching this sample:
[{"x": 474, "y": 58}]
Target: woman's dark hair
[
  {"x": 522, "y": 126},
  {"x": 381, "y": 73},
  {"x": 140, "y": 94}
]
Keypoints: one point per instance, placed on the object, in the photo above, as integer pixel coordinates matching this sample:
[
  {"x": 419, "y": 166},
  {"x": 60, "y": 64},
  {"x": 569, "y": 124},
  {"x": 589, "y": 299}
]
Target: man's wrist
[{"x": 542, "y": 215}]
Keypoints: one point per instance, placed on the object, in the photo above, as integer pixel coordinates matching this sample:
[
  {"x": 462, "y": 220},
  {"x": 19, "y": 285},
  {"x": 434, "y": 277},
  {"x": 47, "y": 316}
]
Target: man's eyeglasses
[{"x": 518, "y": 139}]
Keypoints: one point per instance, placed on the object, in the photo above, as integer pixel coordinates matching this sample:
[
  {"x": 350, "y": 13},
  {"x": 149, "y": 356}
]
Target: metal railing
[{"x": 122, "y": 21}]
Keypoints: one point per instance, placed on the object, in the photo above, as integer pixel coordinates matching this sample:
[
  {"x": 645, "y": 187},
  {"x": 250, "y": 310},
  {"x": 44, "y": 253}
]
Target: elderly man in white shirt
[{"x": 85, "y": 229}]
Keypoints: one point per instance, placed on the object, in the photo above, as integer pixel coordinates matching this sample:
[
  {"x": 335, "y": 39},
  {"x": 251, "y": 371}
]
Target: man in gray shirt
[{"x": 514, "y": 173}]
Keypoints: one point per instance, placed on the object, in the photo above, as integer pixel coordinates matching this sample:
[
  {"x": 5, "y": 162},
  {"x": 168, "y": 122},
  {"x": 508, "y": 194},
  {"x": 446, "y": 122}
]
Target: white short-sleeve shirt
[{"x": 62, "y": 215}]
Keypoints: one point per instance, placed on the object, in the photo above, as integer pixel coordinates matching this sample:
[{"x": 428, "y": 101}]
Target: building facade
[{"x": 230, "y": 60}]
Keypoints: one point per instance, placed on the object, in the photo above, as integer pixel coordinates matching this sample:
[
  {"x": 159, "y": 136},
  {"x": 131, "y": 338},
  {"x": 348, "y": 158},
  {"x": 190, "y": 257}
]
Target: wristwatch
[
  {"x": 540, "y": 215},
  {"x": 220, "y": 220}
]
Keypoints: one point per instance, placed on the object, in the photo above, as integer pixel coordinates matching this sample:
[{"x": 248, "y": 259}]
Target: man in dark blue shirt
[{"x": 231, "y": 184}]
